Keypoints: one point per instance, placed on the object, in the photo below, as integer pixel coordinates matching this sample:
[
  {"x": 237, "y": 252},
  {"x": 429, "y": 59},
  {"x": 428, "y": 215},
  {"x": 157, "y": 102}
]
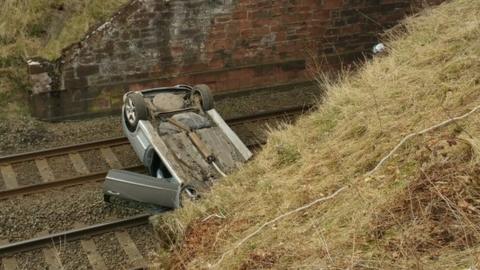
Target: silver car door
[{"x": 142, "y": 188}]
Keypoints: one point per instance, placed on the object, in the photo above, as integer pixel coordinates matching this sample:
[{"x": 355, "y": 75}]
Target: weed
[
  {"x": 418, "y": 211},
  {"x": 40, "y": 28}
]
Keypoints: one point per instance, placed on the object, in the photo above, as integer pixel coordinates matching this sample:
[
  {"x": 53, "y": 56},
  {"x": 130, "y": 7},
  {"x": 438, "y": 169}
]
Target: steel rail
[
  {"x": 118, "y": 141},
  {"x": 95, "y": 177},
  {"x": 83, "y": 179},
  {"x": 72, "y": 235},
  {"x": 64, "y": 150}
]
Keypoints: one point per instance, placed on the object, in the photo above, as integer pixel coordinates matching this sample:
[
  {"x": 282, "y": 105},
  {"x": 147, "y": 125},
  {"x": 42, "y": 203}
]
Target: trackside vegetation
[
  {"x": 419, "y": 210},
  {"x": 40, "y": 28}
]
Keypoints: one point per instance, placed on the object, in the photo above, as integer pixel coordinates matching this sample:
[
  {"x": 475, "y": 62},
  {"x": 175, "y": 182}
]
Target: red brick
[
  {"x": 331, "y": 4},
  {"x": 252, "y": 32}
]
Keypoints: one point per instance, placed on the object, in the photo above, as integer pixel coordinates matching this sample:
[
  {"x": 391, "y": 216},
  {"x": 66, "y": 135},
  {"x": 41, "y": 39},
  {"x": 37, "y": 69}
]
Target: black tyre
[
  {"x": 106, "y": 198},
  {"x": 135, "y": 110},
  {"x": 202, "y": 91}
]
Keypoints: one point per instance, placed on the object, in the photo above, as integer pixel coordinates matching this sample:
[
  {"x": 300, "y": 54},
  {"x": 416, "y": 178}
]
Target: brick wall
[{"x": 230, "y": 45}]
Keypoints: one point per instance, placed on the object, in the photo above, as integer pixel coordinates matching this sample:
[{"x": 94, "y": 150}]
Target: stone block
[
  {"x": 86, "y": 70},
  {"x": 41, "y": 83},
  {"x": 76, "y": 83}
]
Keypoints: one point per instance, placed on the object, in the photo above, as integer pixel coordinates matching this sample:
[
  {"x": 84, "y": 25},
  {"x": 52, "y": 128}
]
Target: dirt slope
[{"x": 419, "y": 210}]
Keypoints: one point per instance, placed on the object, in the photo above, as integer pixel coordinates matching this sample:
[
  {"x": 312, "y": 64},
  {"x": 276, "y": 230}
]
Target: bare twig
[
  {"x": 326, "y": 247},
  {"x": 374, "y": 97},
  {"x": 220, "y": 216},
  {"x": 277, "y": 219},
  {"x": 352, "y": 260},
  {"x": 456, "y": 123},
  {"x": 409, "y": 136}
]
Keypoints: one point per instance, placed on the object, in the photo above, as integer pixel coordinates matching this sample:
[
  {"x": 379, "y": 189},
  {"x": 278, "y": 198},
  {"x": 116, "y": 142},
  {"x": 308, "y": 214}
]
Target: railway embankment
[{"x": 383, "y": 176}]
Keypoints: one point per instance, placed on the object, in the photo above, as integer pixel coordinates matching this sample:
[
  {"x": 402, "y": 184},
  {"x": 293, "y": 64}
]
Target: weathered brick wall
[{"x": 230, "y": 45}]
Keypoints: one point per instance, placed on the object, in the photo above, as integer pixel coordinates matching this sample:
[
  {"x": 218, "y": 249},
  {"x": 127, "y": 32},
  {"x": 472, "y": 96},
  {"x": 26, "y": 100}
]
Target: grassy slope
[
  {"x": 420, "y": 210},
  {"x": 30, "y": 28}
]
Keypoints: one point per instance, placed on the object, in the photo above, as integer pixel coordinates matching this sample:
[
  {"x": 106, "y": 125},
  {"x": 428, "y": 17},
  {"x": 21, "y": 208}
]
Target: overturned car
[{"x": 183, "y": 142}]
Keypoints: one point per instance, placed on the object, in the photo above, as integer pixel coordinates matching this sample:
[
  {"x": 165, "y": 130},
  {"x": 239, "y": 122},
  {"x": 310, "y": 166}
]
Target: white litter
[{"x": 379, "y": 48}]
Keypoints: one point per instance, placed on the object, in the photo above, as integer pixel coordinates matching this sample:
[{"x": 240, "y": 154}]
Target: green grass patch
[{"x": 40, "y": 28}]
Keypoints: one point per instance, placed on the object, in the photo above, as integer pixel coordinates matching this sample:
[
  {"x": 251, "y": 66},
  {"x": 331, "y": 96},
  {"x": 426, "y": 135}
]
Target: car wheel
[
  {"x": 106, "y": 198},
  {"x": 203, "y": 93},
  {"x": 135, "y": 110}
]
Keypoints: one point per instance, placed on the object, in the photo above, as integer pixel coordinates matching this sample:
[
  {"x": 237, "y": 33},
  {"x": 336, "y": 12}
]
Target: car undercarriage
[{"x": 182, "y": 141}]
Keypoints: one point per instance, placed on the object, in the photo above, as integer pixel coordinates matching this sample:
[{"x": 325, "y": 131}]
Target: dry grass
[
  {"x": 30, "y": 28},
  {"x": 418, "y": 211},
  {"x": 40, "y": 28}
]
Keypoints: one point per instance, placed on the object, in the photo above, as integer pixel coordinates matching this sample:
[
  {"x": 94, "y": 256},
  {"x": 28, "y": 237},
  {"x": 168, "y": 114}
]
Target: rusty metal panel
[
  {"x": 232, "y": 136},
  {"x": 191, "y": 160},
  {"x": 227, "y": 156}
]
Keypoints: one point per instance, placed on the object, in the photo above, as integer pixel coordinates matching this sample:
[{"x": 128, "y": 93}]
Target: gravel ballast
[
  {"x": 56, "y": 211},
  {"x": 111, "y": 251},
  {"x": 126, "y": 155},
  {"x": 31, "y": 260},
  {"x": 241, "y": 104},
  {"x": 145, "y": 240},
  {"x": 23, "y": 134},
  {"x": 73, "y": 256}
]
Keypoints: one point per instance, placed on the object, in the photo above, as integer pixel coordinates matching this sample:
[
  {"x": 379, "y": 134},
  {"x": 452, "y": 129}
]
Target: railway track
[
  {"x": 73, "y": 154},
  {"x": 73, "y": 235},
  {"x": 85, "y": 239},
  {"x": 118, "y": 141},
  {"x": 81, "y": 247}
]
